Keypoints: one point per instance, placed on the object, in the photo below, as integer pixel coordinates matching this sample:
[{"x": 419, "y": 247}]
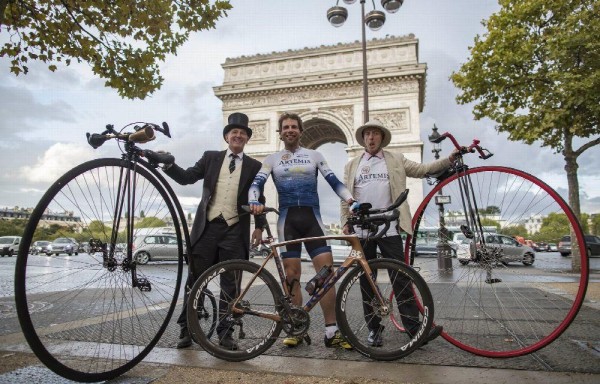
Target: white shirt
[{"x": 372, "y": 185}]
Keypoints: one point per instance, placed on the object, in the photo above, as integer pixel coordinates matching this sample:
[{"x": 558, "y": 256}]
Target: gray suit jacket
[{"x": 399, "y": 168}]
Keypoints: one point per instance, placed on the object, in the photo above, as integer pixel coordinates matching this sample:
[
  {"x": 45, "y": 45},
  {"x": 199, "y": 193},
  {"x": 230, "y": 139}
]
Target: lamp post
[
  {"x": 444, "y": 252},
  {"x": 375, "y": 19}
]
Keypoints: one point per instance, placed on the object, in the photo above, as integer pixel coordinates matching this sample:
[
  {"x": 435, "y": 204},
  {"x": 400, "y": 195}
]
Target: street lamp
[
  {"x": 444, "y": 251},
  {"x": 375, "y": 19}
]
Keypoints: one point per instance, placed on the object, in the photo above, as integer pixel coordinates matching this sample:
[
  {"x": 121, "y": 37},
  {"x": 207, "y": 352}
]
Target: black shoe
[
  {"x": 433, "y": 333},
  {"x": 375, "y": 337},
  {"x": 227, "y": 342},
  {"x": 185, "y": 339}
]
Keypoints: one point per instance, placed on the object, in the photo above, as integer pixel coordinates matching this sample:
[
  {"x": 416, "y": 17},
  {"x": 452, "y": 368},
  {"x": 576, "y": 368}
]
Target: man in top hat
[
  {"x": 218, "y": 234},
  {"x": 378, "y": 177}
]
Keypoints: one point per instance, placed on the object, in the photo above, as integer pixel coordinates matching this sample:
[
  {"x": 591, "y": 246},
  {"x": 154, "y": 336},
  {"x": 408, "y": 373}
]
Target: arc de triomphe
[{"x": 324, "y": 86}]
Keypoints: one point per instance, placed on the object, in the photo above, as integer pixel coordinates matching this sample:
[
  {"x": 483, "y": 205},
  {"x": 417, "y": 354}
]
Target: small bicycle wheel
[
  {"x": 361, "y": 316},
  {"x": 93, "y": 316},
  {"x": 500, "y": 298},
  {"x": 254, "y": 331}
]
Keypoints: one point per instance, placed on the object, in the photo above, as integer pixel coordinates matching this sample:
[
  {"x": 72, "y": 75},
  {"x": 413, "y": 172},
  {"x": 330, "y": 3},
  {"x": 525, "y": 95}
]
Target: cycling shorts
[{"x": 299, "y": 222}]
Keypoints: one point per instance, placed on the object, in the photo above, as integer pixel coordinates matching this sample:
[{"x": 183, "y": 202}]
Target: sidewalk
[{"x": 166, "y": 365}]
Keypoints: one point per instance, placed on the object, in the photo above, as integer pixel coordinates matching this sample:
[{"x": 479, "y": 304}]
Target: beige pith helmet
[{"x": 387, "y": 135}]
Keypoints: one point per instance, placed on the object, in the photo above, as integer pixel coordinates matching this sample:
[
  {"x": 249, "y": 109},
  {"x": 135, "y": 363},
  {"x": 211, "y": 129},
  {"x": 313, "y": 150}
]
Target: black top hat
[{"x": 237, "y": 120}]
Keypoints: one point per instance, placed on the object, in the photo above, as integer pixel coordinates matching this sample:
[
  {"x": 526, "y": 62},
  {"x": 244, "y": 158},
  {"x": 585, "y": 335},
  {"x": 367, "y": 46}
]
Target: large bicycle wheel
[
  {"x": 358, "y": 312},
  {"x": 253, "y": 332},
  {"x": 497, "y": 297},
  {"x": 93, "y": 316}
]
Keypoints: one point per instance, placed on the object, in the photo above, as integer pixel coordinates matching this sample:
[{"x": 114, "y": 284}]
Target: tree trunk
[{"x": 571, "y": 167}]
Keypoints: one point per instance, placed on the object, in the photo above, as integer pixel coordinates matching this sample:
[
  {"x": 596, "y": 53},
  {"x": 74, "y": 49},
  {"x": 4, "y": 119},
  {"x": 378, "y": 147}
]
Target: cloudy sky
[{"x": 44, "y": 116}]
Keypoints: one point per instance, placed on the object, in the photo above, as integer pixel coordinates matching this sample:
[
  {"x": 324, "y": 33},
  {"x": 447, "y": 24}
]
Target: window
[{"x": 151, "y": 240}]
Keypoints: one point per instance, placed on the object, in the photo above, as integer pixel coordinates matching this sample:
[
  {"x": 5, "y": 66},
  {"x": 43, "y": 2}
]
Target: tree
[
  {"x": 490, "y": 210},
  {"x": 490, "y": 223},
  {"x": 150, "y": 222},
  {"x": 515, "y": 230},
  {"x": 536, "y": 72},
  {"x": 122, "y": 41},
  {"x": 595, "y": 228}
]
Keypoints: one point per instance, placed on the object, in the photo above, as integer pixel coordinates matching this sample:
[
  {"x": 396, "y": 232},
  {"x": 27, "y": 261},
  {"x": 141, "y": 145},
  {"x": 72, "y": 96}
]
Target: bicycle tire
[
  {"x": 253, "y": 334},
  {"x": 355, "y": 322},
  {"x": 491, "y": 307},
  {"x": 80, "y": 315}
]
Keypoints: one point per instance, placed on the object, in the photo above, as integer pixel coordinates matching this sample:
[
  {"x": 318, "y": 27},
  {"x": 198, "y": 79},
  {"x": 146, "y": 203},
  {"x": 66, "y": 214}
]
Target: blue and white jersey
[{"x": 295, "y": 177}]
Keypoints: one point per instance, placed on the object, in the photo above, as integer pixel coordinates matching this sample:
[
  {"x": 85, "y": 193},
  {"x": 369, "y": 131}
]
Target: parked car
[
  {"x": 66, "y": 245},
  {"x": 509, "y": 250},
  {"x": 593, "y": 245},
  {"x": 340, "y": 250},
  {"x": 9, "y": 245},
  {"x": 552, "y": 247},
  {"x": 540, "y": 247},
  {"x": 592, "y": 242},
  {"x": 40, "y": 247},
  {"x": 564, "y": 245},
  {"x": 261, "y": 250},
  {"x": 426, "y": 246},
  {"x": 155, "y": 247}
]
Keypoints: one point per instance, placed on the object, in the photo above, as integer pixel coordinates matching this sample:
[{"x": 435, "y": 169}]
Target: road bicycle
[
  {"x": 247, "y": 302},
  {"x": 488, "y": 304},
  {"x": 94, "y": 316}
]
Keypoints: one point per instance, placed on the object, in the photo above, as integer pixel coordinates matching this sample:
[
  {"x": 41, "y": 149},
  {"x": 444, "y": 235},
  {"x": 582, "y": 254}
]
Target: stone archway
[
  {"x": 320, "y": 131},
  {"x": 324, "y": 86}
]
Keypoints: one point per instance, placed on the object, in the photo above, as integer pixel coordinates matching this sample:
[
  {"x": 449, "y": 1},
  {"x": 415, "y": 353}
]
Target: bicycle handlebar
[
  {"x": 372, "y": 219},
  {"x": 246, "y": 208},
  {"x": 474, "y": 147},
  {"x": 141, "y": 135}
]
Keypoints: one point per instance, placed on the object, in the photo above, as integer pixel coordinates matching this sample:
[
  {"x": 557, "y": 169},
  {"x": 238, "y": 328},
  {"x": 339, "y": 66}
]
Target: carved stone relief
[
  {"x": 344, "y": 113},
  {"x": 395, "y": 120},
  {"x": 307, "y": 95},
  {"x": 259, "y": 131}
]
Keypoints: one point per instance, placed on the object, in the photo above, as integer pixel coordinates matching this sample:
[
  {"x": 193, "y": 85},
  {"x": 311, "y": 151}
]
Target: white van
[{"x": 9, "y": 245}]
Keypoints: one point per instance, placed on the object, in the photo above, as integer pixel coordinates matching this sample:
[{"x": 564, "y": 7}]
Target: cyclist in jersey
[{"x": 295, "y": 171}]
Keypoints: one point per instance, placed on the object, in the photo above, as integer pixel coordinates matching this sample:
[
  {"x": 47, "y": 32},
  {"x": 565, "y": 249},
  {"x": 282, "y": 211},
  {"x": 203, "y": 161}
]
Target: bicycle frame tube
[{"x": 356, "y": 256}]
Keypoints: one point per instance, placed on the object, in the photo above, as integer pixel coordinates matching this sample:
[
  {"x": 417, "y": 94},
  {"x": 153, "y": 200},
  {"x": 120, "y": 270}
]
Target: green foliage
[
  {"x": 150, "y": 222},
  {"x": 122, "y": 41},
  {"x": 14, "y": 227},
  {"x": 554, "y": 226},
  {"x": 595, "y": 227},
  {"x": 490, "y": 223},
  {"x": 517, "y": 230},
  {"x": 491, "y": 210},
  {"x": 537, "y": 70}
]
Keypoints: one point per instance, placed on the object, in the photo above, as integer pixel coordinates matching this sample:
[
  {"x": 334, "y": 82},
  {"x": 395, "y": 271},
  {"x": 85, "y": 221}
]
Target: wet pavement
[{"x": 573, "y": 357}]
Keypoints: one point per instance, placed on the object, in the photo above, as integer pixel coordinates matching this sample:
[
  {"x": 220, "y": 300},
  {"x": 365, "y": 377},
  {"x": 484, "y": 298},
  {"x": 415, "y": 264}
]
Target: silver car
[
  {"x": 66, "y": 245},
  {"x": 155, "y": 247},
  {"x": 505, "y": 247}
]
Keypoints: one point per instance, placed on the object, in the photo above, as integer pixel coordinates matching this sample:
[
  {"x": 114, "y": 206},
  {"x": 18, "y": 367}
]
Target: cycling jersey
[{"x": 295, "y": 177}]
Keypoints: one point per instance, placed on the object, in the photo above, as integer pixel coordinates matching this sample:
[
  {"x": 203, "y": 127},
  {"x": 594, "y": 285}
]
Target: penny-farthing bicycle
[{"x": 94, "y": 315}]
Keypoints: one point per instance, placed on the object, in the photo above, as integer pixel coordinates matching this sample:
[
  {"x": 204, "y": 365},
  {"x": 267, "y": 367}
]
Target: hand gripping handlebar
[{"x": 372, "y": 219}]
